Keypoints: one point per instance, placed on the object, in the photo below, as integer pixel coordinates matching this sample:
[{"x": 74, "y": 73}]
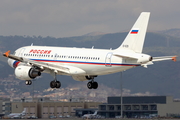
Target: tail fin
[
  {"x": 135, "y": 38},
  {"x": 95, "y": 113},
  {"x": 24, "y": 111}
]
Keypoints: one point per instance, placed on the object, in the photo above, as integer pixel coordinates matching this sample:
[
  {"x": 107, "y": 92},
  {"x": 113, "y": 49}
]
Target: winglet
[
  {"x": 174, "y": 58},
  {"x": 6, "y": 54}
]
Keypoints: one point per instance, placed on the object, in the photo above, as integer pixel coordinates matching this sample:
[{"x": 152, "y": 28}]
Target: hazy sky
[{"x": 65, "y": 18}]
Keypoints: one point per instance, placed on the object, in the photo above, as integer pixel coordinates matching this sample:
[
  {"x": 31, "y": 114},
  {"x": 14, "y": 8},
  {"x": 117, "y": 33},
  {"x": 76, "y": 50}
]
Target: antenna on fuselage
[{"x": 31, "y": 44}]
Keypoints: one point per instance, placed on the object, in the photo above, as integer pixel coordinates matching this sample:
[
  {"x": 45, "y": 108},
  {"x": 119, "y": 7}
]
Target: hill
[{"x": 171, "y": 32}]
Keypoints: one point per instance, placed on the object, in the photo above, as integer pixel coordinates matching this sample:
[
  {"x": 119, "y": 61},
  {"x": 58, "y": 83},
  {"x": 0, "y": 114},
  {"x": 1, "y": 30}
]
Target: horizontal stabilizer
[
  {"x": 125, "y": 55},
  {"x": 164, "y": 58}
]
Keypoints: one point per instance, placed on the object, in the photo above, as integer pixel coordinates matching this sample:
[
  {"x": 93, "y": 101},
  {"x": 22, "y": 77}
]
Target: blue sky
[{"x": 66, "y": 18}]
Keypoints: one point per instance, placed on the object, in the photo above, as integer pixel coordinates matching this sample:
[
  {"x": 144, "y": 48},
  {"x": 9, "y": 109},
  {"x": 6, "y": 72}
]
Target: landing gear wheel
[
  {"x": 28, "y": 82},
  {"x": 58, "y": 84},
  {"x": 89, "y": 85},
  {"x": 52, "y": 84},
  {"x": 55, "y": 84},
  {"x": 92, "y": 83},
  {"x": 95, "y": 85}
]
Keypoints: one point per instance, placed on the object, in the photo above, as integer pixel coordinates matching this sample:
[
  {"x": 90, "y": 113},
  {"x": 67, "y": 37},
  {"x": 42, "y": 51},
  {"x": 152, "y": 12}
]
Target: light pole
[
  {"x": 121, "y": 96},
  {"x": 33, "y": 89}
]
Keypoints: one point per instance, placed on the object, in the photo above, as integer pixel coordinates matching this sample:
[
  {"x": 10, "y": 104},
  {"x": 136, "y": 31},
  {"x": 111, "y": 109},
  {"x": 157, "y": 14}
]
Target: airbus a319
[{"x": 81, "y": 63}]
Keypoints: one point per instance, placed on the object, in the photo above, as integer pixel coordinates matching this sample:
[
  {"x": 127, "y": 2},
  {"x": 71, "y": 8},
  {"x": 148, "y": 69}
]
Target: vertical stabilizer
[
  {"x": 95, "y": 113},
  {"x": 24, "y": 111},
  {"x": 135, "y": 38}
]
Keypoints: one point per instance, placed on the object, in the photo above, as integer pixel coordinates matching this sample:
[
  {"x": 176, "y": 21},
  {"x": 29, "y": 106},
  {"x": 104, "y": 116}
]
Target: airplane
[
  {"x": 83, "y": 63},
  {"x": 17, "y": 115},
  {"x": 90, "y": 116}
]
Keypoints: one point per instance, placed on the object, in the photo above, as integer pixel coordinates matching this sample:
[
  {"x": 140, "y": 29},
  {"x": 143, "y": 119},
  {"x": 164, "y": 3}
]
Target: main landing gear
[
  {"x": 92, "y": 84},
  {"x": 55, "y": 83}
]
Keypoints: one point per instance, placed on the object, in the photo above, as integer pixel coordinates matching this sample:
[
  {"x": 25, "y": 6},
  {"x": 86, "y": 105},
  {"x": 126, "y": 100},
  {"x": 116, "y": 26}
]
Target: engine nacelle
[
  {"x": 26, "y": 72},
  {"x": 143, "y": 58}
]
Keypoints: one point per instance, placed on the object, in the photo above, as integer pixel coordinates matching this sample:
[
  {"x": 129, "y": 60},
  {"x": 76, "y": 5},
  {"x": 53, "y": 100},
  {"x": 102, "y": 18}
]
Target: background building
[
  {"x": 45, "y": 108},
  {"x": 140, "y": 106},
  {"x": 5, "y": 106}
]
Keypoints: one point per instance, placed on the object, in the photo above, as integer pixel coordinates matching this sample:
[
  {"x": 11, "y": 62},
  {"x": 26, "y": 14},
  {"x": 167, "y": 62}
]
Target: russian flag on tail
[{"x": 134, "y": 31}]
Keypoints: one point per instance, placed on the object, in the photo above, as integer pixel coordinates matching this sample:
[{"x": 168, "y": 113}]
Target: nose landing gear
[{"x": 28, "y": 82}]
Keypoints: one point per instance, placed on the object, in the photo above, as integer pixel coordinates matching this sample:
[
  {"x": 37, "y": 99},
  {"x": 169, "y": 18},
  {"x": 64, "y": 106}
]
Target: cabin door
[{"x": 108, "y": 59}]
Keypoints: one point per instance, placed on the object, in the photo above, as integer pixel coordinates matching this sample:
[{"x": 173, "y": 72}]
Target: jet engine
[{"x": 26, "y": 72}]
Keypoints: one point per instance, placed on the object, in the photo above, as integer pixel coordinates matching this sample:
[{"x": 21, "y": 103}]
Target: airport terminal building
[
  {"x": 140, "y": 106},
  {"x": 133, "y": 107},
  {"x": 47, "y": 108}
]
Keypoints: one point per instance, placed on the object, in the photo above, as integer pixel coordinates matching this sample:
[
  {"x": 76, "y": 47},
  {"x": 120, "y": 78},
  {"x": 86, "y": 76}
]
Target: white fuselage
[
  {"x": 92, "y": 61},
  {"x": 15, "y": 115}
]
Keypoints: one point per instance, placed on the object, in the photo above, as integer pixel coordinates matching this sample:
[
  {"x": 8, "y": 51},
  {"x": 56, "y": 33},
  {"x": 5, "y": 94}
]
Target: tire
[
  {"x": 89, "y": 85},
  {"x": 52, "y": 84},
  {"x": 30, "y": 82},
  {"x": 27, "y": 82},
  {"x": 58, "y": 84},
  {"x": 95, "y": 85}
]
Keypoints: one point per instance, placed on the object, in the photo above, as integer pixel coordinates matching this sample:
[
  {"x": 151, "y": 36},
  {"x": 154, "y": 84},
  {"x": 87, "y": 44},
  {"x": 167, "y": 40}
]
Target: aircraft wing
[
  {"x": 44, "y": 65},
  {"x": 164, "y": 58}
]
